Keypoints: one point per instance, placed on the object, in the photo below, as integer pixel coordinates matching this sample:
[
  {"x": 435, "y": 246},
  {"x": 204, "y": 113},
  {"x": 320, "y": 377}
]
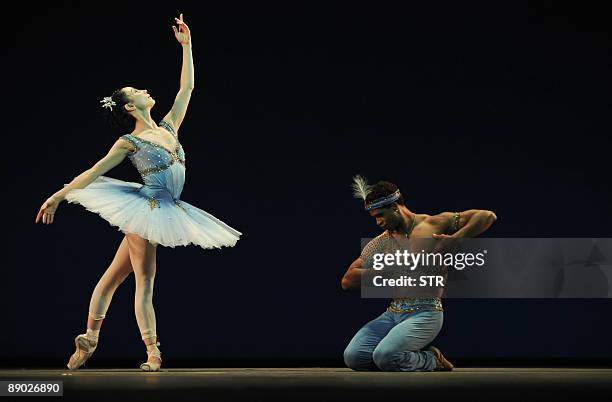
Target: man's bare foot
[{"x": 441, "y": 363}]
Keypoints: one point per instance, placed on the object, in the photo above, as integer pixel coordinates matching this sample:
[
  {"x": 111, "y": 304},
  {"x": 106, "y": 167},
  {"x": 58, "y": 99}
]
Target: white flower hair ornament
[{"x": 108, "y": 102}]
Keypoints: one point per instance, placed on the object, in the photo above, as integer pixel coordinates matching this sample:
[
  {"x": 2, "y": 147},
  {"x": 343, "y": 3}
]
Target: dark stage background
[{"x": 502, "y": 107}]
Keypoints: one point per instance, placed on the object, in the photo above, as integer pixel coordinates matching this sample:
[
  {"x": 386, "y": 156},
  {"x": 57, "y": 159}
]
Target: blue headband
[{"x": 381, "y": 202}]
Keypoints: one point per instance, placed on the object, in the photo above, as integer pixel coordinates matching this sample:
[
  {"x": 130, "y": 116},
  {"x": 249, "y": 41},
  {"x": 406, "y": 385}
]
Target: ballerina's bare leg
[
  {"x": 119, "y": 269},
  {"x": 143, "y": 258}
]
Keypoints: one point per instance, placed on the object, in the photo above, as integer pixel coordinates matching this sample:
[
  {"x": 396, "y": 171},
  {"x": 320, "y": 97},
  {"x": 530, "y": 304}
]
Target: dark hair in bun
[{"x": 118, "y": 117}]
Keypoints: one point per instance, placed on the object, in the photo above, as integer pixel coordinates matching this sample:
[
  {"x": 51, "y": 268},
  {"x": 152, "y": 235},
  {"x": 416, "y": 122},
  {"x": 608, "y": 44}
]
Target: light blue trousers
[{"x": 394, "y": 342}]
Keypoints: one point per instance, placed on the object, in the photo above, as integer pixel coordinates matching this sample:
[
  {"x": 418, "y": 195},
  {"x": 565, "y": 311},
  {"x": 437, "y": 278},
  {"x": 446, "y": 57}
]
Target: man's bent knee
[
  {"x": 386, "y": 359},
  {"x": 358, "y": 361}
]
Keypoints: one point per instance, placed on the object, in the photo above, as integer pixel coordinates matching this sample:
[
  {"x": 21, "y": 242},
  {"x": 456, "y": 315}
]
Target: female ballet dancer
[{"x": 148, "y": 214}]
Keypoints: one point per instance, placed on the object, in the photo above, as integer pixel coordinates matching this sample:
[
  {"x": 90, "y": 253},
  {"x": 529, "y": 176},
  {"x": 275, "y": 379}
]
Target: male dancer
[{"x": 394, "y": 341}]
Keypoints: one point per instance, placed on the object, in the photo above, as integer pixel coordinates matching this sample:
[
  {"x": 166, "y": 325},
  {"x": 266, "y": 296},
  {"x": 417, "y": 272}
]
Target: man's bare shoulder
[
  {"x": 441, "y": 217},
  {"x": 441, "y": 221},
  {"x": 445, "y": 222}
]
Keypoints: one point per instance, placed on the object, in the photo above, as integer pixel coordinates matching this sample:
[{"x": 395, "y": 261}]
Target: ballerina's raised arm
[{"x": 179, "y": 108}]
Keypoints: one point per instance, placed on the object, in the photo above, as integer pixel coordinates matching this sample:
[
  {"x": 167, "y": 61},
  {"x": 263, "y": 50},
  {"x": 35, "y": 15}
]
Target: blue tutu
[{"x": 153, "y": 210}]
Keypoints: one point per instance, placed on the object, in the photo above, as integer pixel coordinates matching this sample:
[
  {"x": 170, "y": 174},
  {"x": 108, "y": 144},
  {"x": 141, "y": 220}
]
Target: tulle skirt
[{"x": 153, "y": 214}]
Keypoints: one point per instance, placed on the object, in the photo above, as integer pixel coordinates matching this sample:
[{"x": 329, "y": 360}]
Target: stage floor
[{"x": 327, "y": 384}]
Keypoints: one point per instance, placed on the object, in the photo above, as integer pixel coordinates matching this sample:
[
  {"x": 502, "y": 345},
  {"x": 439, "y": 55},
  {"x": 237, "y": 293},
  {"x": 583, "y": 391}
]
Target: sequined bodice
[{"x": 158, "y": 166}]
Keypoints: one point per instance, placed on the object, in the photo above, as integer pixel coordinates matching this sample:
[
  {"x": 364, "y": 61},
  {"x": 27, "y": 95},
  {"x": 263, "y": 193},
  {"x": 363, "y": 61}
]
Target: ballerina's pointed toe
[
  {"x": 153, "y": 362},
  {"x": 84, "y": 349}
]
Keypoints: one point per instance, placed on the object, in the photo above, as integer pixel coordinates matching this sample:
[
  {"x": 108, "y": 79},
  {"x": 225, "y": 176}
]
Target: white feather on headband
[{"x": 360, "y": 186}]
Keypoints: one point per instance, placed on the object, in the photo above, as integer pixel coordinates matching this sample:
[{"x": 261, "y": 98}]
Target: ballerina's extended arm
[
  {"x": 115, "y": 156},
  {"x": 179, "y": 108}
]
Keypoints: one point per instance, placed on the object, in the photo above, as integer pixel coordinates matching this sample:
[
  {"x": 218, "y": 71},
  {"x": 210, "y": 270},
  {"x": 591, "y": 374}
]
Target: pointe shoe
[
  {"x": 84, "y": 349},
  {"x": 154, "y": 360},
  {"x": 441, "y": 363}
]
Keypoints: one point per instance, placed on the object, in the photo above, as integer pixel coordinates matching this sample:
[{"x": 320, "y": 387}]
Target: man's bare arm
[
  {"x": 352, "y": 276},
  {"x": 474, "y": 222}
]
